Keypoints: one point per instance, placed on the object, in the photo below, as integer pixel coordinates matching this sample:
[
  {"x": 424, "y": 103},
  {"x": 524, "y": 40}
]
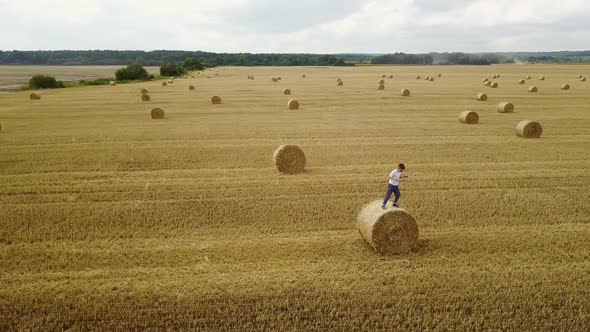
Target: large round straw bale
[
  {"x": 274, "y": 79},
  {"x": 381, "y": 81},
  {"x": 542, "y": 78},
  {"x": 533, "y": 89},
  {"x": 439, "y": 75},
  {"x": 390, "y": 76},
  {"x": 279, "y": 78},
  {"x": 431, "y": 79},
  {"x": 157, "y": 113},
  {"x": 405, "y": 92},
  {"x": 164, "y": 84},
  {"x": 485, "y": 80},
  {"x": 390, "y": 231},
  {"x": 289, "y": 159},
  {"x": 145, "y": 97},
  {"x": 303, "y": 76},
  {"x": 427, "y": 78},
  {"x": 293, "y": 104},
  {"x": 340, "y": 83},
  {"x": 494, "y": 76},
  {"x": 144, "y": 90},
  {"x": 521, "y": 82},
  {"x": 417, "y": 77},
  {"x": 487, "y": 83},
  {"x": 35, "y": 96},
  {"x": 112, "y": 83},
  {"x": 565, "y": 87},
  {"x": 529, "y": 129},
  {"x": 481, "y": 97},
  {"x": 215, "y": 100},
  {"x": 469, "y": 117},
  {"x": 528, "y": 77},
  {"x": 191, "y": 87},
  {"x": 338, "y": 80},
  {"x": 381, "y": 87},
  {"x": 505, "y": 107},
  {"x": 583, "y": 79},
  {"x": 287, "y": 91},
  {"x": 580, "y": 76},
  {"x": 494, "y": 85},
  {"x": 383, "y": 76}
]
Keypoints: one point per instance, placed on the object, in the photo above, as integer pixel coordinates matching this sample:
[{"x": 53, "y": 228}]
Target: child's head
[{"x": 401, "y": 167}]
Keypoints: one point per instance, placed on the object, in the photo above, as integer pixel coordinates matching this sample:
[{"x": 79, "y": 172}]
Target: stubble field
[{"x": 110, "y": 220}]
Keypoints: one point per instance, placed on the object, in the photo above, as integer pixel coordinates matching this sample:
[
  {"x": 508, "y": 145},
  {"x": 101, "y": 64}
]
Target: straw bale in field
[
  {"x": 390, "y": 76},
  {"x": 439, "y": 75},
  {"x": 191, "y": 87},
  {"x": 287, "y": 92},
  {"x": 35, "y": 96},
  {"x": 157, "y": 113},
  {"x": 289, "y": 159},
  {"x": 431, "y": 79},
  {"x": 542, "y": 78},
  {"x": 481, "y": 97},
  {"x": 583, "y": 79},
  {"x": 565, "y": 87},
  {"x": 390, "y": 231},
  {"x": 469, "y": 117},
  {"x": 145, "y": 97},
  {"x": 521, "y": 82},
  {"x": 487, "y": 83},
  {"x": 485, "y": 80},
  {"x": 405, "y": 92},
  {"x": 528, "y": 77},
  {"x": 533, "y": 89},
  {"x": 417, "y": 77},
  {"x": 274, "y": 79},
  {"x": 293, "y": 104},
  {"x": 164, "y": 84},
  {"x": 505, "y": 107},
  {"x": 303, "y": 76},
  {"x": 340, "y": 83},
  {"x": 381, "y": 81},
  {"x": 144, "y": 90},
  {"x": 529, "y": 129},
  {"x": 383, "y": 76},
  {"x": 494, "y": 76},
  {"x": 494, "y": 85},
  {"x": 381, "y": 87},
  {"x": 215, "y": 100},
  {"x": 112, "y": 83}
]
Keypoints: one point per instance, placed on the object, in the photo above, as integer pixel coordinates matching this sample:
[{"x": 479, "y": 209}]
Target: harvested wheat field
[{"x": 111, "y": 220}]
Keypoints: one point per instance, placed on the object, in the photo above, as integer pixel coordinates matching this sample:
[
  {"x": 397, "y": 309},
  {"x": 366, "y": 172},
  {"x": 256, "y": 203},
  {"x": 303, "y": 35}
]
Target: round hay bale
[
  {"x": 287, "y": 92},
  {"x": 164, "y": 84},
  {"x": 528, "y": 77},
  {"x": 521, "y": 82},
  {"x": 487, "y": 83},
  {"x": 303, "y": 76},
  {"x": 431, "y": 79},
  {"x": 215, "y": 100},
  {"x": 145, "y": 97},
  {"x": 469, "y": 117},
  {"x": 485, "y": 80},
  {"x": 580, "y": 76},
  {"x": 383, "y": 76},
  {"x": 583, "y": 79},
  {"x": 494, "y": 85},
  {"x": 427, "y": 78},
  {"x": 565, "y": 87},
  {"x": 533, "y": 89},
  {"x": 112, "y": 83},
  {"x": 191, "y": 88},
  {"x": 381, "y": 87},
  {"x": 340, "y": 83},
  {"x": 541, "y": 78},
  {"x": 144, "y": 90},
  {"x": 289, "y": 159},
  {"x": 157, "y": 113},
  {"x": 390, "y": 231},
  {"x": 529, "y": 129},
  {"x": 439, "y": 75},
  {"x": 293, "y": 104},
  {"x": 381, "y": 81},
  {"x": 279, "y": 78},
  {"x": 274, "y": 79},
  {"x": 481, "y": 96},
  {"x": 405, "y": 92},
  {"x": 338, "y": 80},
  {"x": 35, "y": 96},
  {"x": 505, "y": 107},
  {"x": 390, "y": 76},
  {"x": 417, "y": 77},
  {"x": 494, "y": 76}
]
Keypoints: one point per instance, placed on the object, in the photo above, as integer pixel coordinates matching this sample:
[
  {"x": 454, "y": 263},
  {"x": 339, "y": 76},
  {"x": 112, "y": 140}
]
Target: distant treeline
[
  {"x": 155, "y": 58},
  {"x": 208, "y": 59}
]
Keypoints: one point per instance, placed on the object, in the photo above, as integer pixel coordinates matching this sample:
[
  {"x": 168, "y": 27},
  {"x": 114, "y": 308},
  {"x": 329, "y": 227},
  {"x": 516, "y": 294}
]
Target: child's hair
[{"x": 401, "y": 166}]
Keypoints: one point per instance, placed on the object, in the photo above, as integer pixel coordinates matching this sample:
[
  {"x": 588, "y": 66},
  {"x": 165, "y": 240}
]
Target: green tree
[
  {"x": 132, "y": 72},
  {"x": 193, "y": 64},
  {"x": 171, "y": 69},
  {"x": 44, "y": 82}
]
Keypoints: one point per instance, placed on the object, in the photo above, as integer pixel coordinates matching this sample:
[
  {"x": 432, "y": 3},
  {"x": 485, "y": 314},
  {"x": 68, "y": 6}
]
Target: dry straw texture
[
  {"x": 533, "y": 89},
  {"x": 381, "y": 86},
  {"x": 145, "y": 97},
  {"x": 405, "y": 92},
  {"x": 191, "y": 87},
  {"x": 481, "y": 96},
  {"x": 157, "y": 113},
  {"x": 287, "y": 91},
  {"x": 215, "y": 100},
  {"x": 521, "y": 82},
  {"x": 542, "y": 78},
  {"x": 505, "y": 107},
  {"x": 164, "y": 84},
  {"x": 112, "y": 83},
  {"x": 390, "y": 231},
  {"x": 529, "y": 129},
  {"x": 35, "y": 96},
  {"x": 144, "y": 90},
  {"x": 469, "y": 117},
  {"x": 293, "y": 104},
  {"x": 565, "y": 87},
  {"x": 289, "y": 159}
]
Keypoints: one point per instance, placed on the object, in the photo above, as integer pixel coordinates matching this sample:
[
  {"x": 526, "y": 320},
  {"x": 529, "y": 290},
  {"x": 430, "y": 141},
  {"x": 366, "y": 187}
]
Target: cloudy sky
[{"x": 300, "y": 26}]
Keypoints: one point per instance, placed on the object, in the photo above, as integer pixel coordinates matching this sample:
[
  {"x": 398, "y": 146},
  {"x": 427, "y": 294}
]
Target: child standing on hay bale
[{"x": 393, "y": 186}]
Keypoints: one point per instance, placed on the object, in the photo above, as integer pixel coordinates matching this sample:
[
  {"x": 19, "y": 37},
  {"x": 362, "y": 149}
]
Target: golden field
[{"x": 110, "y": 220}]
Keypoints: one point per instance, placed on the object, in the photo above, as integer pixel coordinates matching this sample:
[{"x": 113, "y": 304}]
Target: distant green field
[
  {"x": 14, "y": 77},
  {"x": 110, "y": 220}
]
